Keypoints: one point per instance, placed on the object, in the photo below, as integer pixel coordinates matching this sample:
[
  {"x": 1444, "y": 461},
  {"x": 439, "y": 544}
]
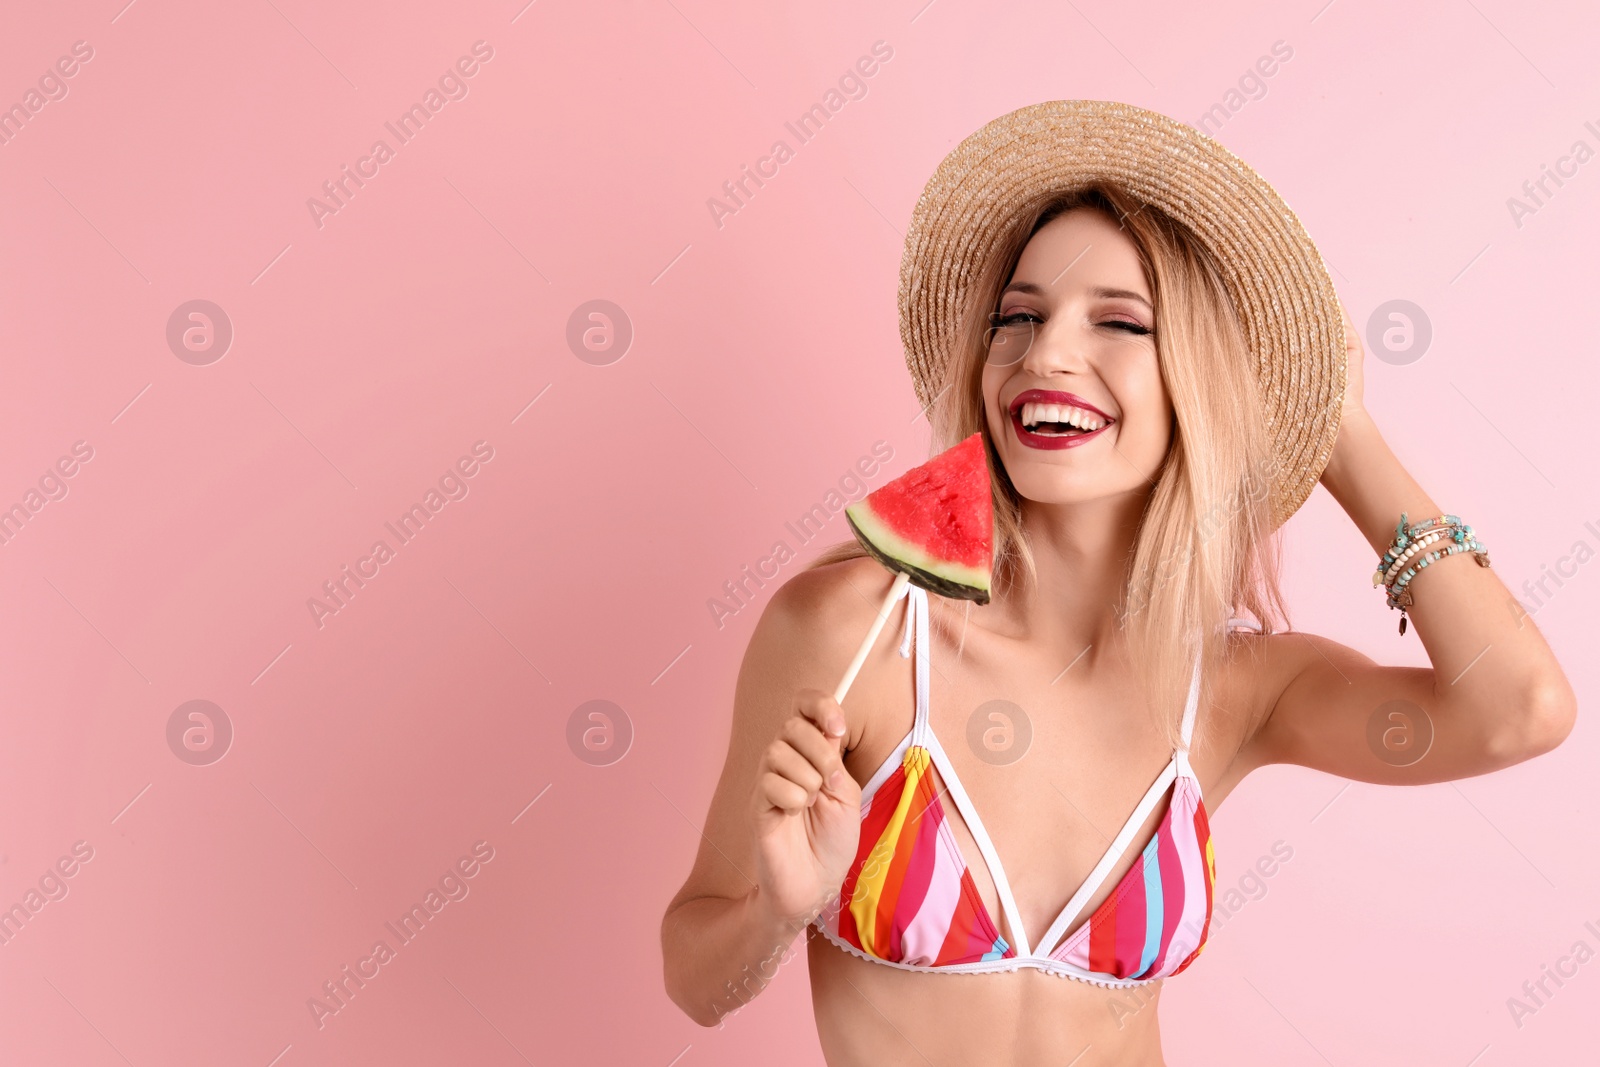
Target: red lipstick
[{"x": 1054, "y": 441}]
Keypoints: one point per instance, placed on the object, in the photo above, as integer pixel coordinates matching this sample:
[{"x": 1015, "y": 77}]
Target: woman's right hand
[{"x": 806, "y": 810}]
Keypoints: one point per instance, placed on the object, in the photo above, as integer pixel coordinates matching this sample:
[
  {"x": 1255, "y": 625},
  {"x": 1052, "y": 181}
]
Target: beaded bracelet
[
  {"x": 1400, "y": 594},
  {"x": 1387, "y": 577},
  {"x": 1401, "y": 563},
  {"x": 1407, "y": 538},
  {"x": 1403, "y": 544}
]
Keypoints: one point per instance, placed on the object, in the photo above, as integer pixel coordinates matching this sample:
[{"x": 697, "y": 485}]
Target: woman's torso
[{"x": 1054, "y": 751}]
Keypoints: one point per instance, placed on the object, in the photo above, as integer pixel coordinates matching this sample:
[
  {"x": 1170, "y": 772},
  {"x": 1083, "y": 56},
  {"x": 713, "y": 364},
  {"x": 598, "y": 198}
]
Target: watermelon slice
[{"x": 935, "y": 523}]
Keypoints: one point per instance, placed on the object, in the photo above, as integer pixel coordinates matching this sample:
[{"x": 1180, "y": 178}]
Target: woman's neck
[{"x": 1080, "y": 555}]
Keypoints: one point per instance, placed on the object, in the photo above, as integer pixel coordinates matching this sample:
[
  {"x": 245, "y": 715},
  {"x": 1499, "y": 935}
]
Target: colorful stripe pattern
[
  {"x": 1155, "y": 922},
  {"x": 908, "y": 896}
]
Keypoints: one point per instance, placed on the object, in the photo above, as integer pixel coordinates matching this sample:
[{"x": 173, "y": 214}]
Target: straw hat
[{"x": 1273, "y": 273}]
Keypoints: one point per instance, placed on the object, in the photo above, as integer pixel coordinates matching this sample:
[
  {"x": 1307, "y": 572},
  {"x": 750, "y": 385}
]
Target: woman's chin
[{"x": 1054, "y": 492}]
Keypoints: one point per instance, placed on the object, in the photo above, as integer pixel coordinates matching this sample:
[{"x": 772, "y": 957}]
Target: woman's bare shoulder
[
  {"x": 1256, "y": 667},
  {"x": 1250, "y": 675},
  {"x": 811, "y": 628},
  {"x": 824, "y": 612}
]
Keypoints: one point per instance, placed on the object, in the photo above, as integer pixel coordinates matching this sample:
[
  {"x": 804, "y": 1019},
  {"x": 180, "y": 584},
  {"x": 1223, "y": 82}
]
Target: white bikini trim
[
  {"x": 1112, "y": 855},
  {"x": 997, "y": 871},
  {"x": 1037, "y": 963},
  {"x": 922, "y": 732}
]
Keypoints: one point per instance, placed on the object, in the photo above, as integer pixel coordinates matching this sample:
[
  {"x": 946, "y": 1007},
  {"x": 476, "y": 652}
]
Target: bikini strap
[
  {"x": 1191, "y": 707},
  {"x": 917, "y": 625}
]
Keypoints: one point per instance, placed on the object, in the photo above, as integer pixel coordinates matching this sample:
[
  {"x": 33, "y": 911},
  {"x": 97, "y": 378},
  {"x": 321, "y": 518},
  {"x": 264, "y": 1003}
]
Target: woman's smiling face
[{"x": 1072, "y": 387}]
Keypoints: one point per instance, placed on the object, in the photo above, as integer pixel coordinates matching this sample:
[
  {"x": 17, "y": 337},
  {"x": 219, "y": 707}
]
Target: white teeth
[{"x": 1033, "y": 414}]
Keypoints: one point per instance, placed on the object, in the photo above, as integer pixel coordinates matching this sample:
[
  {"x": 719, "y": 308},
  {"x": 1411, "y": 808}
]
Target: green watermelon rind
[{"x": 944, "y": 577}]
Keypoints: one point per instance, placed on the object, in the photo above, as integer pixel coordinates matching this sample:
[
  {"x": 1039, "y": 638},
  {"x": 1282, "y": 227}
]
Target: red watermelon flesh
[{"x": 935, "y": 522}]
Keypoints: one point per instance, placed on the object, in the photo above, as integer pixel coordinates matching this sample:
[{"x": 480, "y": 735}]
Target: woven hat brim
[{"x": 1273, "y": 272}]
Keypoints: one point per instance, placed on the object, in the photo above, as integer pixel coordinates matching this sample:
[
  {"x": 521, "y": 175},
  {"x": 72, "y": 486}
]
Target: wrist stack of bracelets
[{"x": 1410, "y": 553}]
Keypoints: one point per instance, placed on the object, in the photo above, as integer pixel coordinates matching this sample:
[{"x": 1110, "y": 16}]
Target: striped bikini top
[{"x": 908, "y": 899}]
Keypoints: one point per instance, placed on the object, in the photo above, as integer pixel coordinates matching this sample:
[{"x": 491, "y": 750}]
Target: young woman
[{"x": 1149, "y": 420}]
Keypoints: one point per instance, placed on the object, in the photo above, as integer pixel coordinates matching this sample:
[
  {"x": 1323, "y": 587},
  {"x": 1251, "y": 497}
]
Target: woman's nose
[{"x": 1055, "y": 346}]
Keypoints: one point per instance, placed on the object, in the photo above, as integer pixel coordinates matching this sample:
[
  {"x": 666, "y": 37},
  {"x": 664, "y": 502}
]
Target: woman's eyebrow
[
  {"x": 1127, "y": 294},
  {"x": 1100, "y": 291}
]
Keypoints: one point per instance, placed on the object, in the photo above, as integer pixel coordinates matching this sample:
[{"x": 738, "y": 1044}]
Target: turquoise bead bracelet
[
  {"x": 1398, "y": 596},
  {"x": 1405, "y": 558}
]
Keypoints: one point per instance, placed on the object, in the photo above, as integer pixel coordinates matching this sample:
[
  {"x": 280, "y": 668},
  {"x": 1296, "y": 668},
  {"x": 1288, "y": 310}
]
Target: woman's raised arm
[{"x": 1494, "y": 695}]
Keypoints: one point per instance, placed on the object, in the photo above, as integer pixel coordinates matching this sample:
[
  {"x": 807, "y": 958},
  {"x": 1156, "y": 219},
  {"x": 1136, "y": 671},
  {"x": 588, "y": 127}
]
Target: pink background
[{"x": 370, "y": 753}]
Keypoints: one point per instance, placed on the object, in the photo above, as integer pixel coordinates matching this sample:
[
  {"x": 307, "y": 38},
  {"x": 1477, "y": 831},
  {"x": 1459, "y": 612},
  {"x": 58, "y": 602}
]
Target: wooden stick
[{"x": 900, "y": 580}]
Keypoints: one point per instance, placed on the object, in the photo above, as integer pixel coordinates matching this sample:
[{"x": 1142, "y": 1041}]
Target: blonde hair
[{"x": 1205, "y": 548}]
